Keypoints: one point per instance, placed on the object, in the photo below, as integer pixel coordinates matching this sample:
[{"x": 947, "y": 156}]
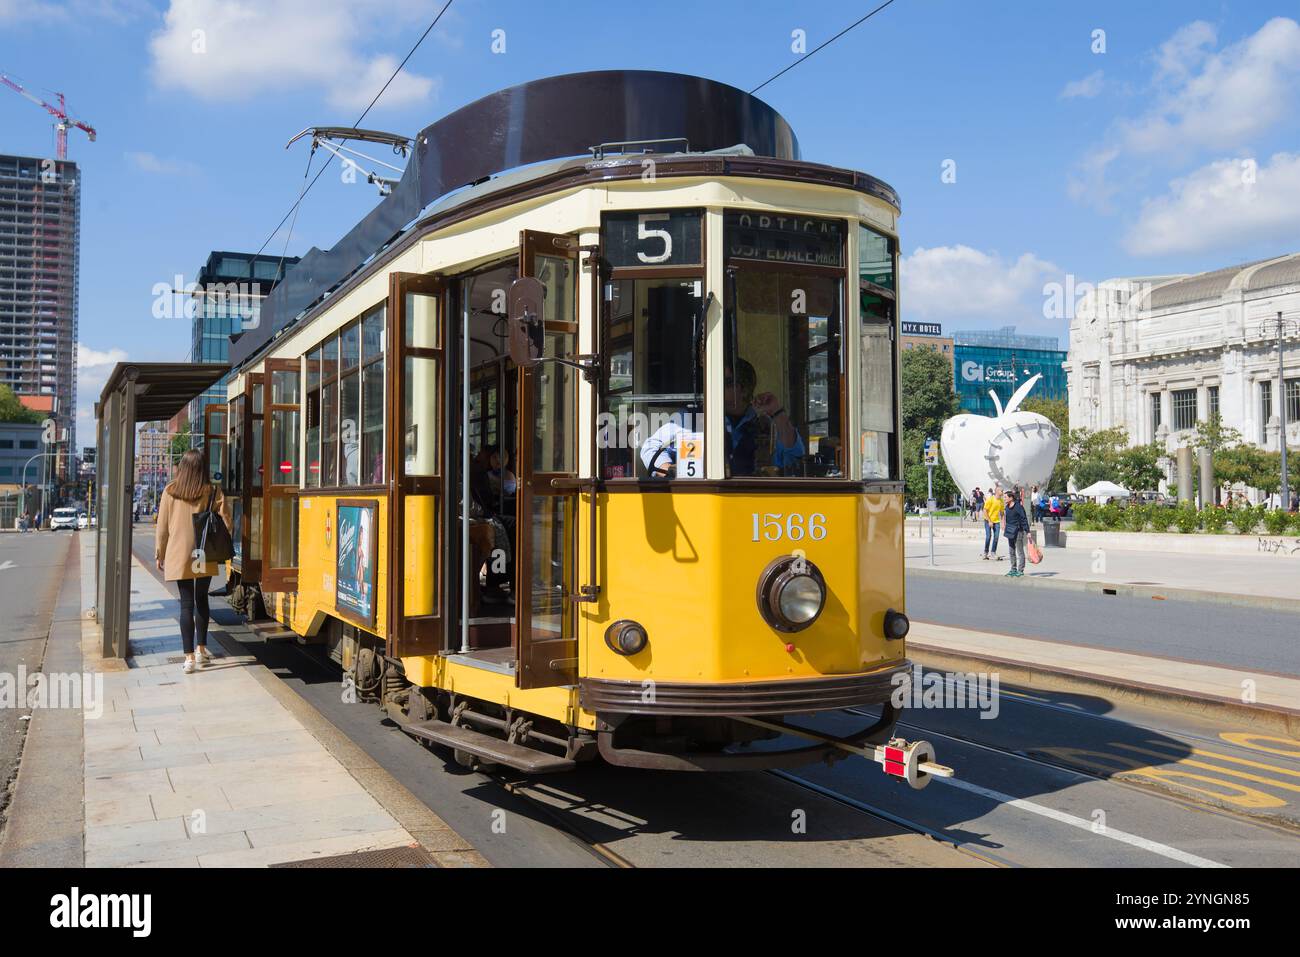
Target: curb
[
  {"x": 1261, "y": 717},
  {"x": 1156, "y": 592}
]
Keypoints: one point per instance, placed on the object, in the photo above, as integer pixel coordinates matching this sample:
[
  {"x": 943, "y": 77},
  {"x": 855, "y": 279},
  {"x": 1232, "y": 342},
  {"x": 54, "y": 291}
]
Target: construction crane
[{"x": 60, "y": 113}]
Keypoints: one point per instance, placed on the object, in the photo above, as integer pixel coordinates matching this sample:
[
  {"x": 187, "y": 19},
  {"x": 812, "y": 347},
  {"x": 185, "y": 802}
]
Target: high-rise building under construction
[{"x": 40, "y": 247}]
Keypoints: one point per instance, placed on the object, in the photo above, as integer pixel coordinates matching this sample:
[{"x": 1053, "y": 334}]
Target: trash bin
[{"x": 1052, "y": 532}]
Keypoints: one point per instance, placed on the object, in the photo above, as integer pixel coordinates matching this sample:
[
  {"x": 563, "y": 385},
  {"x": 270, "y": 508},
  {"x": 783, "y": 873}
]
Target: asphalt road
[
  {"x": 31, "y": 569},
  {"x": 1252, "y": 638}
]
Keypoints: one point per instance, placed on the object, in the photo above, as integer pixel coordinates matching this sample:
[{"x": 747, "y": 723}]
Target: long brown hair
[{"x": 191, "y": 481}]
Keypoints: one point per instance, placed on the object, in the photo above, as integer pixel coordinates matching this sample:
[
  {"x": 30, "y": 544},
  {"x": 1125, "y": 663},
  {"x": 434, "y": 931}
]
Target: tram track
[
  {"x": 1282, "y": 825},
  {"x": 888, "y": 816}
]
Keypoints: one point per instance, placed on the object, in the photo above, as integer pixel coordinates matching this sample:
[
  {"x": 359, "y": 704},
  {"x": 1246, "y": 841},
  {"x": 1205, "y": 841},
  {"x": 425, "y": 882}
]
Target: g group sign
[{"x": 972, "y": 371}]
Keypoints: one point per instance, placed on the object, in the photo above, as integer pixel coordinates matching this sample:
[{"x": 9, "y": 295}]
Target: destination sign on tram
[
  {"x": 665, "y": 237},
  {"x": 778, "y": 238}
]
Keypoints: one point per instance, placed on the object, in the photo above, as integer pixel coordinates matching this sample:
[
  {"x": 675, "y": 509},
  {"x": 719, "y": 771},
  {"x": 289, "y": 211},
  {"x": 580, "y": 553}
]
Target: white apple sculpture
[{"x": 1014, "y": 449}]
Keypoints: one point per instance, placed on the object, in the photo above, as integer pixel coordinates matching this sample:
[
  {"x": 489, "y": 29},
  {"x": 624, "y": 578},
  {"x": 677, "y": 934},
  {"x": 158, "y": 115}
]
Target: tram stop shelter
[{"x": 135, "y": 392}]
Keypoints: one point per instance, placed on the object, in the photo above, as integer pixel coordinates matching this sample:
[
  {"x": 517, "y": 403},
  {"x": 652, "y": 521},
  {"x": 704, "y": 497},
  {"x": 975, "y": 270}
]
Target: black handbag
[{"x": 211, "y": 537}]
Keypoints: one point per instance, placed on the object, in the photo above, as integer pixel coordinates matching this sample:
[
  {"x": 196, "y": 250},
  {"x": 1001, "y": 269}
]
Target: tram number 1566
[{"x": 774, "y": 526}]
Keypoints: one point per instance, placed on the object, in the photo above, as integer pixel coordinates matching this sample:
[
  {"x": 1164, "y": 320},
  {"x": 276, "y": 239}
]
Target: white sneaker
[
  {"x": 202, "y": 657},
  {"x": 189, "y": 666}
]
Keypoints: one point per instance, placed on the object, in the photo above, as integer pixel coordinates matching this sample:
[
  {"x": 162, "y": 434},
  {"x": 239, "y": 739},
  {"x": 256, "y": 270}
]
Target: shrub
[
  {"x": 1136, "y": 517},
  {"x": 1186, "y": 518},
  {"x": 1162, "y": 517},
  {"x": 1295, "y": 522},
  {"x": 1111, "y": 516},
  {"x": 1276, "y": 521},
  {"x": 1246, "y": 517},
  {"x": 1214, "y": 519},
  {"x": 1085, "y": 515}
]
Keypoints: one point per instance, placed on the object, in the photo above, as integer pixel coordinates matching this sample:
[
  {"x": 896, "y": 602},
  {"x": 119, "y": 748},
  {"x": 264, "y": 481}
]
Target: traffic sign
[{"x": 931, "y": 452}]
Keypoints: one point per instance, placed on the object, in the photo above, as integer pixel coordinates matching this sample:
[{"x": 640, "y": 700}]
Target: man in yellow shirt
[{"x": 992, "y": 523}]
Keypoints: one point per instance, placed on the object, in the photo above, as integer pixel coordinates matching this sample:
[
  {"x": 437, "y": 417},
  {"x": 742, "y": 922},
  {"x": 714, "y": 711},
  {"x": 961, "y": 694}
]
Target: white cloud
[
  {"x": 1219, "y": 100},
  {"x": 956, "y": 282},
  {"x": 235, "y": 50},
  {"x": 150, "y": 163},
  {"x": 93, "y": 369},
  {"x": 1087, "y": 88},
  {"x": 405, "y": 88},
  {"x": 1218, "y": 205}
]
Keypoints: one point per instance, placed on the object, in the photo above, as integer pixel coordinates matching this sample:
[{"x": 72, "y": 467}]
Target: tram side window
[
  {"x": 876, "y": 412},
  {"x": 345, "y": 406},
  {"x": 329, "y": 413},
  {"x": 311, "y": 419},
  {"x": 372, "y": 397}
]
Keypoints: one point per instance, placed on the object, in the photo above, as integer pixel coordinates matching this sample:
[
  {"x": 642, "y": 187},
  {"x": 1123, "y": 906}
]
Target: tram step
[{"x": 484, "y": 746}]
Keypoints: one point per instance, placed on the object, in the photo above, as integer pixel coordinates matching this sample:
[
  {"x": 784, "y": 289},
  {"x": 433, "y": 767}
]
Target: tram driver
[{"x": 748, "y": 418}]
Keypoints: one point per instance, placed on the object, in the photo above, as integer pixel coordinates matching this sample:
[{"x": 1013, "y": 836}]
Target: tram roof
[{"x": 536, "y": 134}]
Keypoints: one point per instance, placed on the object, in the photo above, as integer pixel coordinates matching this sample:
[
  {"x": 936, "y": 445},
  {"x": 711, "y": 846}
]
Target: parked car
[
  {"x": 1153, "y": 498},
  {"x": 83, "y": 520},
  {"x": 63, "y": 518}
]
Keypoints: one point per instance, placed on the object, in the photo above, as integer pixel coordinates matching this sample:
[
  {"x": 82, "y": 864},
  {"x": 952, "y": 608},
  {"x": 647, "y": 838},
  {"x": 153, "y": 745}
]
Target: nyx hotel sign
[
  {"x": 779, "y": 238},
  {"x": 922, "y": 329}
]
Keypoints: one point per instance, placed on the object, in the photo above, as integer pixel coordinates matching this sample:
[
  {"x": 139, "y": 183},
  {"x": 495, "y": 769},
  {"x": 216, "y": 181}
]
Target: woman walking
[{"x": 185, "y": 496}]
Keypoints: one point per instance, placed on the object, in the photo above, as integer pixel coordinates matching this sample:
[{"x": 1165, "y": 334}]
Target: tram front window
[
  {"x": 782, "y": 375},
  {"x": 655, "y": 375}
]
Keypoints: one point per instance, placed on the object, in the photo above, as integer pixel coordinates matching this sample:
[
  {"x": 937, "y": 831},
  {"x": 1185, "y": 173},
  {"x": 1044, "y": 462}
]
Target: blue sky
[{"x": 1177, "y": 149}]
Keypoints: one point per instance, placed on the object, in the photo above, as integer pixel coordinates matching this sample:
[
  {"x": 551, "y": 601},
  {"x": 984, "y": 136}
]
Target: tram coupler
[{"x": 911, "y": 761}]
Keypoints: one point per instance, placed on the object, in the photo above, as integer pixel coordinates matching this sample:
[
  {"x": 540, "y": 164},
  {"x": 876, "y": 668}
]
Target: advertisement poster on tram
[{"x": 354, "y": 581}]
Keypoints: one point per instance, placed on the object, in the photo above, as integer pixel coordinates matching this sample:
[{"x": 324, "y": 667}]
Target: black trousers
[{"x": 194, "y": 611}]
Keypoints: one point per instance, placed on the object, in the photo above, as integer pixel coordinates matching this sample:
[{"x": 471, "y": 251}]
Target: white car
[
  {"x": 63, "y": 518},
  {"x": 83, "y": 520}
]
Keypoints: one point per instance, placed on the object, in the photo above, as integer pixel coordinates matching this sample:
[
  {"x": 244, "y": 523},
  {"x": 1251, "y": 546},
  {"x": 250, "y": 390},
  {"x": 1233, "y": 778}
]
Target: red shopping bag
[{"x": 1032, "y": 551}]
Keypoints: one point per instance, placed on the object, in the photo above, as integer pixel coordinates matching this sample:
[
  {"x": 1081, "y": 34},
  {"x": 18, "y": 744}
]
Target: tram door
[
  {"x": 545, "y": 517},
  {"x": 245, "y": 479},
  {"x": 416, "y": 425},
  {"x": 214, "y": 441},
  {"x": 279, "y": 474}
]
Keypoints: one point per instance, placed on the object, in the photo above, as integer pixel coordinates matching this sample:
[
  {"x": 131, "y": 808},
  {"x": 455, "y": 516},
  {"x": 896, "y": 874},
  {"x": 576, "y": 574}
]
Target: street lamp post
[
  {"x": 1282, "y": 325},
  {"x": 38, "y": 455}
]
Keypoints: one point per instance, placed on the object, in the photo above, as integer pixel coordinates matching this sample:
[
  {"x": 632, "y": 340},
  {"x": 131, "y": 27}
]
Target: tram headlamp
[
  {"x": 626, "y": 637},
  {"x": 791, "y": 593},
  {"x": 896, "y": 625}
]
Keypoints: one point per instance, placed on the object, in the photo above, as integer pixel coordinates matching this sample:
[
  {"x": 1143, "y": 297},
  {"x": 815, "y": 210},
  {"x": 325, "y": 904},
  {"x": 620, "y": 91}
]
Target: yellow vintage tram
[{"x": 568, "y": 455}]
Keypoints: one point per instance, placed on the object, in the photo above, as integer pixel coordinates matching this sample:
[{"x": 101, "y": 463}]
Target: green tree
[
  {"x": 11, "y": 410},
  {"x": 1058, "y": 411},
  {"x": 1137, "y": 469},
  {"x": 928, "y": 400},
  {"x": 1095, "y": 456},
  {"x": 1214, "y": 435}
]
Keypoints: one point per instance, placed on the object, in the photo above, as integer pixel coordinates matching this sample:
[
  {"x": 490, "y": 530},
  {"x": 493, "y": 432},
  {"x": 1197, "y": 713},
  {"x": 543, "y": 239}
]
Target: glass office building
[
  {"x": 228, "y": 293},
  {"x": 1002, "y": 361}
]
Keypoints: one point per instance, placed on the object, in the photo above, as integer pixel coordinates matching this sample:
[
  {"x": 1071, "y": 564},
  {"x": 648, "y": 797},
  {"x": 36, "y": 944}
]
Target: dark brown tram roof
[
  {"x": 529, "y": 123},
  {"x": 305, "y": 285}
]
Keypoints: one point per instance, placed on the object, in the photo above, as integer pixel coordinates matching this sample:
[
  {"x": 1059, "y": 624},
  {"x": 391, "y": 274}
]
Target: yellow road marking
[
  {"x": 1248, "y": 740},
  {"x": 1210, "y": 767},
  {"x": 1121, "y": 767}
]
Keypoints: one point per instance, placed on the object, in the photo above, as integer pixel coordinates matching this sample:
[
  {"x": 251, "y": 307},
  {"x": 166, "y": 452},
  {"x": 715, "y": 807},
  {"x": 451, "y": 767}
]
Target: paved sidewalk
[
  {"x": 1264, "y": 580},
  {"x": 213, "y": 770},
  {"x": 1246, "y": 691}
]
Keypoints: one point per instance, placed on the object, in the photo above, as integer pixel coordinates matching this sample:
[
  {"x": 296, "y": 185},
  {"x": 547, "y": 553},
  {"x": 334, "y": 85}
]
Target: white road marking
[
  {"x": 1164, "y": 850},
  {"x": 7, "y": 565}
]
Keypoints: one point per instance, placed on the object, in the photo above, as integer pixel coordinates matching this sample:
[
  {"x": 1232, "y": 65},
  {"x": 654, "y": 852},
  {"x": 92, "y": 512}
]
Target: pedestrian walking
[
  {"x": 992, "y": 524},
  {"x": 1017, "y": 534},
  {"x": 185, "y": 496}
]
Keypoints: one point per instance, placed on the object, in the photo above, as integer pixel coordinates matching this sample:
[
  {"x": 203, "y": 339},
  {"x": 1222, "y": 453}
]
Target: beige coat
[{"x": 174, "y": 545}]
